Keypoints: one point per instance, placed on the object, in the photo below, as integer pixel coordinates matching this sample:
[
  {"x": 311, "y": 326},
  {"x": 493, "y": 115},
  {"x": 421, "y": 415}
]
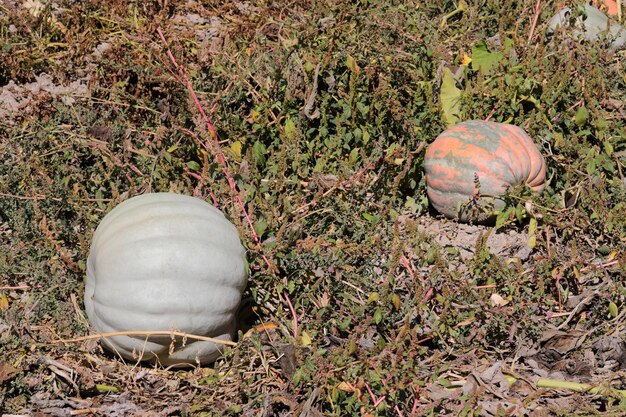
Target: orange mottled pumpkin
[
  {"x": 608, "y": 6},
  {"x": 473, "y": 163}
]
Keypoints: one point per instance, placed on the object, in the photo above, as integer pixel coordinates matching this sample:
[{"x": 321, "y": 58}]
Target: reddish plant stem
[
  {"x": 295, "y": 316},
  {"x": 34, "y": 197},
  {"x": 415, "y": 399},
  {"x": 490, "y": 115},
  {"x": 192, "y": 174},
  {"x": 215, "y": 149},
  {"x": 374, "y": 399},
  {"x": 213, "y": 144}
]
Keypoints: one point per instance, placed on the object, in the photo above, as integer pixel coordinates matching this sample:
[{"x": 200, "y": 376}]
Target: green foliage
[
  {"x": 450, "y": 98},
  {"x": 323, "y": 112}
]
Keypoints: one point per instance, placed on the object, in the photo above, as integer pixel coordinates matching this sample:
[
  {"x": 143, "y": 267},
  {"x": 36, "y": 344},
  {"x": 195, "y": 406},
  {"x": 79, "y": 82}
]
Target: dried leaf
[
  {"x": 352, "y": 65},
  {"x": 396, "y": 301},
  {"x": 497, "y": 300},
  {"x": 305, "y": 338},
  {"x": 532, "y": 233},
  {"x": 346, "y": 387},
  {"x": 234, "y": 151},
  {"x": 7, "y": 371},
  {"x": 4, "y": 302},
  {"x": 563, "y": 342},
  {"x": 288, "y": 362}
]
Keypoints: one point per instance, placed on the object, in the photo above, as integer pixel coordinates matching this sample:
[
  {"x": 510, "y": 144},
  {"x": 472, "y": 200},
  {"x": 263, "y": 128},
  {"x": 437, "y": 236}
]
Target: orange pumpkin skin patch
[
  {"x": 499, "y": 155},
  {"x": 610, "y": 7}
]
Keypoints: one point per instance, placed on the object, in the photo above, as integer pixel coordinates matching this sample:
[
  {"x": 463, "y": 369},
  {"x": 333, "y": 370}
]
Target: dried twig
[
  {"x": 535, "y": 19},
  {"x": 374, "y": 399},
  {"x": 573, "y": 386},
  {"x": 34, "y": 197},
  {"x": 584, "y": 302},
  {"x": 601, "y": 265},
  {"x": 62, "y": 371},
  {"x": 16, "y": 287},
  {"x": 148, "y": 334}
]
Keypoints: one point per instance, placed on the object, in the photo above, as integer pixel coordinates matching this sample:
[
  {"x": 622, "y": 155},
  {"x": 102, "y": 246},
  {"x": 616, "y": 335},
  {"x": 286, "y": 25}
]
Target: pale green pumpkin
[
  {"x": 165, "y": 262},
  {"x": 591, "y": 24}
]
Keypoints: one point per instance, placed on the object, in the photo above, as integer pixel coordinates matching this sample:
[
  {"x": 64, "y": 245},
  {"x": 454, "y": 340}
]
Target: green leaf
[
  {"x": 258, "y": 152},
  {"x": 373, "y": 297},
  {"x": 591, "y": 166},
  {"x": 508, "y": 44},
  {"x": 582, "y": 115},
  {"x": 366, "y": 136},
  {"x": 503, "y": 217},
  {"x": 290, "y": 128},
  {"x": 372, "y": 218},
  {"x": 354, "y": 156},
  {"x": 106, "y": 388},
  {"x": 482, "y": 59},
  {"x": 520, "y": 212},
  {"x": 260, "y": 226},
  {"x": 613, "y": 311},
  {"x": 193, "y": 165},
  {"x": 374, "y": 376},
  {"x": 363, "y": 108},
  {"x": 234, "y": 151},
  {"x": 305, "y": 339},
  {"x": 450, "y": 97},
  {"x": 378, "y": 316}
]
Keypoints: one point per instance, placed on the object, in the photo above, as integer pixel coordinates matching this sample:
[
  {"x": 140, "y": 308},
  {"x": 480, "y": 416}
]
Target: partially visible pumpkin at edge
[
  {"x": 608, "y": 6},
  {"x": 495, "y": 156}
]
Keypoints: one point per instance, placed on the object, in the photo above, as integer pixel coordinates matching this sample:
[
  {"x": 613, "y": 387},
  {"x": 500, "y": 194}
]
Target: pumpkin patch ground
[{"x": 309, "y": 126}]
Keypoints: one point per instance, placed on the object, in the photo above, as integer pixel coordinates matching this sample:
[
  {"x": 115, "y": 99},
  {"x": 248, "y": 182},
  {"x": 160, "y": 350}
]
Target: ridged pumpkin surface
[
  {"x": 500, "y": 155},
  {"x": 161, "y": 262}
]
